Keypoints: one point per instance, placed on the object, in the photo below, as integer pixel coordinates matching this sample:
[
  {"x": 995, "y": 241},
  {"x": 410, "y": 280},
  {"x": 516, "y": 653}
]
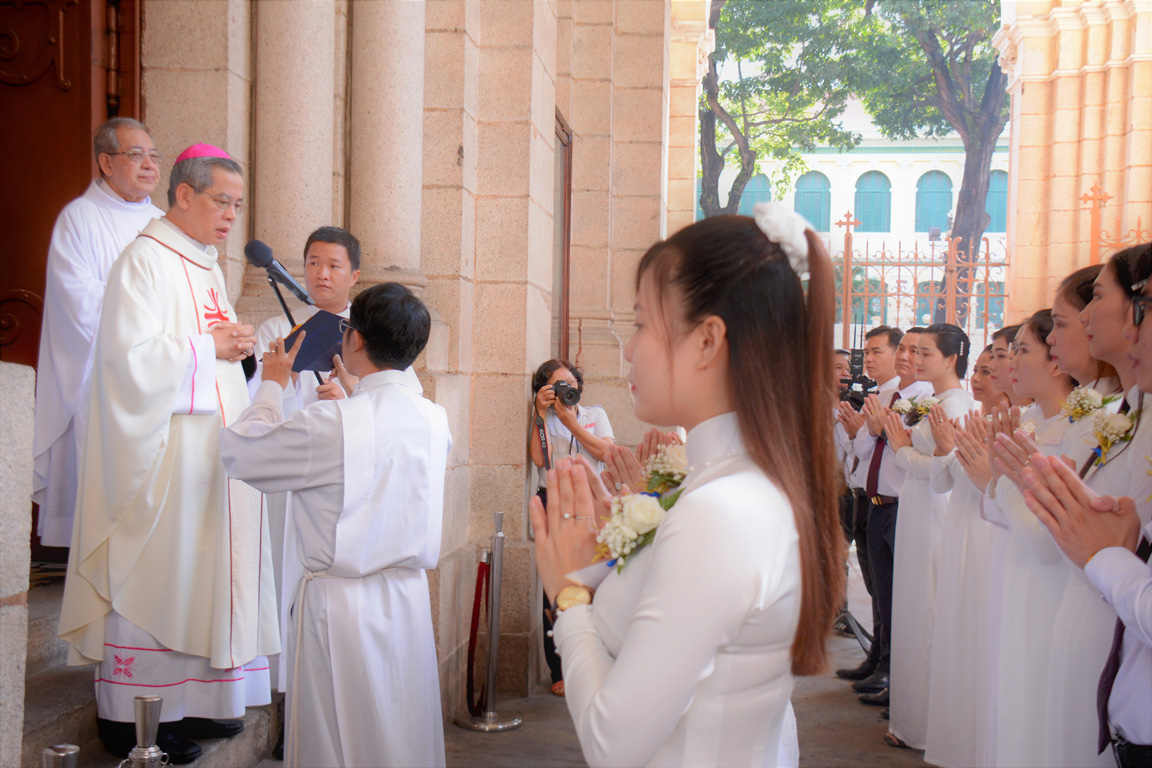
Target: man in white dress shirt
[
  {"x": 89, "y": 234},
  {"x": 882, "y": 481},
  {"x": 169, "y": 580},
  {"x": 367, "y": 478}
]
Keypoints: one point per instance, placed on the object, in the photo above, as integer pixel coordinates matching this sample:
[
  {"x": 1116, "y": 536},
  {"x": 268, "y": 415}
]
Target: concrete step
[
  {"x": 45, "y": 650},
  {"x": 59, "y": 707}
]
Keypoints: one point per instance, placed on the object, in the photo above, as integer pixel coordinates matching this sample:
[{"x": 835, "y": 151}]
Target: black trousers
[
  {"x": 854, "y": 517},
  {"x": 881, "y": 558},
  {"x": 1132, "y": 755},
  {"x": 550, "y": 655}
]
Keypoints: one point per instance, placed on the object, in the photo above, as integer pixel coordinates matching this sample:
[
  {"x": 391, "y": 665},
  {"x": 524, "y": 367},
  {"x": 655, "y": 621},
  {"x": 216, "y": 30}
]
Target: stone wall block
[
  {"x": 542, "y": 163},
  {"x": 538, "y": 333},
  {"x": 444, "y": 84},
  {"x": 545, "y": 35},
  {"x": 501, "y": 238},
  {"x": 499, "y": 421},
  {"x": 643, "y": 17},
  {"x": 186, "y": 35},
  {"x": 591, "y": 107},
  {"x": 592, "y": 11},
  {"x": 591, "y": 163},
  {"x": 444, "y": 15},
  {"x": 457, "y": 491},
  {"x": 636, "y": 168},
  {"x": 637, "y": 114},
  {"x": 505, "y": 23},
  {"x": 591, "y": 290},
  {"x": 592, "y": 52},
  {"x": 635, "y": 222},
  {"x": 511, "y": 68},
  {"x": 681, "y": 195},
  {"x": 565, "y": 35},
  {"x": 503, "y": 159},
  {"x": 540, "y": 247},
  {"x": 18, "y": 383},
  {"x": 677, "y": 220},
  {"x": 638, "y": 62},
  {"x": 517, "y": 614},
  {"x": 14, "y": 640},
  {"x": 443, "y": 147},
  {"x": 624, "y": 264},
  {"x": 544, "y": 105},
  {"x": 682, "y": 164},
  {"x": 681, "y": 131},
  {"x": 590, "y": 218},
  {"x": 442, "y": 216},
  {"x": 500, "y": 488},
  {"x": 498, "y": 327}
]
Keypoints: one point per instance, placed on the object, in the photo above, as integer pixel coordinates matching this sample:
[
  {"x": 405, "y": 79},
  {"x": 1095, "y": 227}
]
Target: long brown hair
[{"x": 780, "y": 379}]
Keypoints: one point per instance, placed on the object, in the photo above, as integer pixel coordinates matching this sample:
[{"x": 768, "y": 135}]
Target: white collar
[{"x": 713, "y": 439}]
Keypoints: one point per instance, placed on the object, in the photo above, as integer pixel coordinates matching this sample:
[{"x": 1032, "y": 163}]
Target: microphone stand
[{"x": 288, "y": 314}]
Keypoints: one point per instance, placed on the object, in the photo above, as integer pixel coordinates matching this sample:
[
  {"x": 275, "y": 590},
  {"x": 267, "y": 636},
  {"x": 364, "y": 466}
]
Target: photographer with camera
[{"x": 566, "y": 428}]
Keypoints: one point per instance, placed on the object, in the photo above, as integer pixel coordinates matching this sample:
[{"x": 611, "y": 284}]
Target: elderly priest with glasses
[
  {"x": 89, "y": 234},
  {"x": 169, "y": 581}
]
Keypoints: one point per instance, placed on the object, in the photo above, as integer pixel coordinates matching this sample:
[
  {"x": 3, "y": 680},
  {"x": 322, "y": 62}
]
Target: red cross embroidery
[
  {"x": 215, "y": 314},
  {"x": 123, "y": 666}
]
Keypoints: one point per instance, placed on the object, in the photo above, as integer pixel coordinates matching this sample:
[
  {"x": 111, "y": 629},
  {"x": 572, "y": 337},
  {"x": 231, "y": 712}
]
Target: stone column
[
  {"x": 196, "y": 83},
  {"x": 387, "y": 138},
  {"x": 692, "y": 41},
  {"x": 291, "y": 185}
]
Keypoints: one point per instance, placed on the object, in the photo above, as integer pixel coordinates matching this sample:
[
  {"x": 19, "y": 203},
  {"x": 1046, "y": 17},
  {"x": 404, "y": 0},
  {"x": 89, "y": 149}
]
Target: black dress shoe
[
  {"x": 180, "y": 751},
  {"x": 857, "y": 673},
  {"x": 278, "y": 750},
  {"x": 877, "y": 682},
  {"x": 118, "y": 738},
  {"x": 884, "y": 714},
  {"x": 878, "y": 699},
  {"x": 205, "y": 728}
]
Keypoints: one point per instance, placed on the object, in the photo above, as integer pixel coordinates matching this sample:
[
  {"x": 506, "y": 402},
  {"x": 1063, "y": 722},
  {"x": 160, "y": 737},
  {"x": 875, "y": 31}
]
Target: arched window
[
  {"x": 756, "y": 190},
  {"x": 874, "y": 202},
  {"x": 933, "y": 201},
  {"x": 814, "y": 200},
  {"x": 996, "y": 204}
]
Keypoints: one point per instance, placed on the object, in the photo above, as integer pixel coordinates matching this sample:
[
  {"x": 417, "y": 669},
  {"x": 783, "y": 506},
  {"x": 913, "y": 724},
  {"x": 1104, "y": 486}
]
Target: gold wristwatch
[{"x": 571, "y": 596}]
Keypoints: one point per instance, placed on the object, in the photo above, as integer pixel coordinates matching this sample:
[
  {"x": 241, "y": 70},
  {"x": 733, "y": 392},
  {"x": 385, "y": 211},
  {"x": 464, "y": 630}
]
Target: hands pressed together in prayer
[
  {"x": 874, "y": 415},
  {"x": 1081, "y": 522},
  {"x": 850, "y": 418},
  {"x": 1011, "y": 446},
  {"x": 624, "y": 467},
  {"x": 578, "y": 504},
  {"x": 898, "y": 435},
  {"x": 943, "y": 430},
  {"x": 234, "y": 341},
  {"x": 972, "y": 448}
]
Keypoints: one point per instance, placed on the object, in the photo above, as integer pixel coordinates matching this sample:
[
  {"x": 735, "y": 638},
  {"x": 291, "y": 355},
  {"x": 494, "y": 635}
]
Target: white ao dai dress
[
  {"x": 684, "y": 656},
  {"x": 918, "y": 533}
]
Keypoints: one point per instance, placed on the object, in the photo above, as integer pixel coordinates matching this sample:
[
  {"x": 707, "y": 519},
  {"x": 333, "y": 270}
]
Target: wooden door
[{"x": 65, "y": 67}]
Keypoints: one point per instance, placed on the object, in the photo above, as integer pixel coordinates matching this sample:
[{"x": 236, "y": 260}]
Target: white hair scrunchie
[{"x": 786, "y": 228}]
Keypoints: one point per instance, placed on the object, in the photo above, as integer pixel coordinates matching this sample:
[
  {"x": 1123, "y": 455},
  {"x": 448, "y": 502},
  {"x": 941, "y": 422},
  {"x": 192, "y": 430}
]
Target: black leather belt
[
  {"x": 1133, "y": 755},
  {"x": 878, "y": 501}
]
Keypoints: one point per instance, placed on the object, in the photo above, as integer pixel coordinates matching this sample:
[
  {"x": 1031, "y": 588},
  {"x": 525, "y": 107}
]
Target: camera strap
[{"x": 543, "y": 437}]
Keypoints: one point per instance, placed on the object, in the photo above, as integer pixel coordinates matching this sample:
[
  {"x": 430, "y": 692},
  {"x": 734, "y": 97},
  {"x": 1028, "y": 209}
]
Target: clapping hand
[
  {"x": 943, "y": 431},
  {"x": 1081, "y": 522},
  {"x": 277, "y": 362},
  {"x": 898, "y": 435},
  {"x": 565, "y": 531},
  {"x": 622, "y": 470}
]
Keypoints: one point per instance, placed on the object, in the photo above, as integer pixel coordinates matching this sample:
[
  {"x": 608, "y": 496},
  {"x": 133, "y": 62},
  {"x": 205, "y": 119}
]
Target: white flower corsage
[
  {"x": 784, "y": 227},
  {"x": 903, "y": 406},
  {"x": 1084, "y": 402},
  {"x": 1111, "y": 429},
  {"x": 667, "y": 468},
  {"x": 915, "y": 409}
]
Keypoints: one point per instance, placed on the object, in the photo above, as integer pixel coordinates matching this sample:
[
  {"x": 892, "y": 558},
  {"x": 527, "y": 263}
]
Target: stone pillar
[
  {"x": 448, "y": 254},
  {"x": 291, "y": 184},
  {"x": 692, "y": 41},
  {"x": 387, "y": 138},
  {"x": 196, "y": 82},
  {"x": 18, "y": 383},
  {"x": 1080, "y": 76}
]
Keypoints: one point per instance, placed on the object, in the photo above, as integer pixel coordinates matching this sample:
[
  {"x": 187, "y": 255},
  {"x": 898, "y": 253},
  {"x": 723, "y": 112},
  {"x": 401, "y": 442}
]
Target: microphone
[{"x": 261, "y": 256}]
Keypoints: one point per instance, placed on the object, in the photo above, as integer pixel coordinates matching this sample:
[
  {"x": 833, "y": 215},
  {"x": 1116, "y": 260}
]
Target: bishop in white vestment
[
  {"x": 367, "y": 480},
  {"x": 169, "y": 580},
  {"x": 89, "y": 234}
]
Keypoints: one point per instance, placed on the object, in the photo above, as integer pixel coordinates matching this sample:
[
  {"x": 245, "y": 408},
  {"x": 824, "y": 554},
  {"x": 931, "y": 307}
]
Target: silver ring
[
  {"x": 583, "y": 517},
  {"x": 619, "y": 486},
  {"x": 566, "y": 516}
]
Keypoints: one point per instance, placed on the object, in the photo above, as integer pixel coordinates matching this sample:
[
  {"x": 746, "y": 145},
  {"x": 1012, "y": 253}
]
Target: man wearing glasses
[
  {"x": 169, "y": 580},
  {"x": 89, "y": 234}
]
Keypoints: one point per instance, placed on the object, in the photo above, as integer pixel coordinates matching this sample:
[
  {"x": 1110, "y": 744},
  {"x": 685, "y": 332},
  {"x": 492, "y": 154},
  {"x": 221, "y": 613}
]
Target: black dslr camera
[
  {"x": 859, "y": 385},
  {"x": 566, "y": 393}
]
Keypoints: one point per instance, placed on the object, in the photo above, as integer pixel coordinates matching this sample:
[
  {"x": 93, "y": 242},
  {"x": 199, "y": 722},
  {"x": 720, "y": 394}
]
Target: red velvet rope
[{"x": 476, "y": 708}]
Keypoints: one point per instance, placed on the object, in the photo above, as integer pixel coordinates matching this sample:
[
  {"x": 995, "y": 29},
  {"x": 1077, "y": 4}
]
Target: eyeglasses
[
  {"x": 137, "y": 155},
  {"x": 223, "y": 202},
  {"x": 1138, "y": 310},
  {"x": 346, "y": 326}
]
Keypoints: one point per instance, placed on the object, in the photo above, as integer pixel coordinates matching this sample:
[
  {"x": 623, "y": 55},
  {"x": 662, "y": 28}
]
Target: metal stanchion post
[
  {"x": 489, "y": 722},
  {"x": 60, "y": 756}
]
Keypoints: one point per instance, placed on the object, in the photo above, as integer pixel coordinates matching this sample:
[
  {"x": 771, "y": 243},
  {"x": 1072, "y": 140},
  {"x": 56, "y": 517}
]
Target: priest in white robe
[
  {"x": 169, "y": 582},
  {"x": 367, "y": 479},
  {"x": 89, "y": 234}
]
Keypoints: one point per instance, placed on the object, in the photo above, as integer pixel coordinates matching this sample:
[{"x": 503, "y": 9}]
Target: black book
[{"x": 321, "y": 342}]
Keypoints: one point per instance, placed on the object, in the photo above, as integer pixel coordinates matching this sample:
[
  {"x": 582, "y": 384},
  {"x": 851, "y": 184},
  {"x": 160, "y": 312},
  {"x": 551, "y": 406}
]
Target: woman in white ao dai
[{"x": 686, "y": 654}]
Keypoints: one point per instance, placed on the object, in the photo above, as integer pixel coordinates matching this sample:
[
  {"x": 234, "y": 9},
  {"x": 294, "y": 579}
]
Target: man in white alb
[
  {"x": 89, "y": 234},
  {"x": 367, "y": 480},
  {"x": 169, "y": 580}
]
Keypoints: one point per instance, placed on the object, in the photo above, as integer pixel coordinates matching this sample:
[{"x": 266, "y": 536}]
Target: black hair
[
  {"x": 1076, "y": 289},
  {"x": 393, "y": 323},
  {"x": 916, "y": 329},
  {"x": 549, "y": 367},
  {"x": 951, "y": 340},
  {"x": 336, "y": 236},
  {"x": 894, "y": 334},
  {"x": 842, "y": 352},
  {"x": 1008, "y": 333},
  {"x": 1041, "y": 325},
  {"x": 1133, "y": 266}
]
